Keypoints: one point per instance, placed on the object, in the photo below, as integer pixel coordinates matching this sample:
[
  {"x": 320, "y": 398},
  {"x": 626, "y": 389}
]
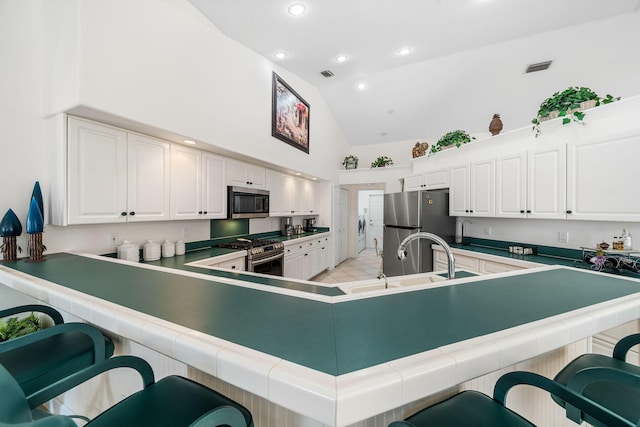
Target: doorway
[{"x": 369, "y": 219}]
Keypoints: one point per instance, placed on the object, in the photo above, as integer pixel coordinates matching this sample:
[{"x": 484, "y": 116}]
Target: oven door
[{"x": 273, "y": 265}]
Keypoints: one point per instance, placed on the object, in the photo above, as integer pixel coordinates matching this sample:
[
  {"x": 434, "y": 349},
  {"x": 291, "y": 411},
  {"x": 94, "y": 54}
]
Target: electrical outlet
[
  {"x": 563, "y": 237},
  {"x": 113, "y": 239},
  {"x": 185, "y": 232},
  {"x": 488, "y": 230}
]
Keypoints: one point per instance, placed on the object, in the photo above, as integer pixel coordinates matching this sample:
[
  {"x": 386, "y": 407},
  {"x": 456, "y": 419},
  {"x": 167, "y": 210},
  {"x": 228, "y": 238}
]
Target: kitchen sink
[{"x": 392, "y": 283}]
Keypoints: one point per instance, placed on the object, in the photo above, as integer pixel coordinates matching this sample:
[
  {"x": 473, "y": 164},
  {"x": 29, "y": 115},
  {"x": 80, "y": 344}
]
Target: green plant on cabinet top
[
  {"x": 569, "y": 104},
  {"x": 456, "y": 137},
  {"x": 382, "y": 161}
]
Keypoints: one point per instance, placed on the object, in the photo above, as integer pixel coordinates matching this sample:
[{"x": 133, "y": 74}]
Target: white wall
[{"x": 151, "y": 64}]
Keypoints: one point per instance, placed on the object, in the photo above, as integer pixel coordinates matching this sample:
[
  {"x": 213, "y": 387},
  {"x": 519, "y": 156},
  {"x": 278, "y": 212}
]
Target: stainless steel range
[{"x": 263, "y": 256}]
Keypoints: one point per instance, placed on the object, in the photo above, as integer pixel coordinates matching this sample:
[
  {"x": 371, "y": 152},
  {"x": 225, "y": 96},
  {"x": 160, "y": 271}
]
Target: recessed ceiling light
[
  {"x": 341, "y": 58},
  {"x": 297, "y": 9},
  {"x": 404, "y": 51},
  {"x": 280, "y": 55},
  {"x": 190, "y": 142},
  {"x": 361, "y": 85}
]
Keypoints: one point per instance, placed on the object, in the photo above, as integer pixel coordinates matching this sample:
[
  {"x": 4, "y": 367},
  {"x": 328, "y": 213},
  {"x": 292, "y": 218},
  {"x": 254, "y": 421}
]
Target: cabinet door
[
  {"x": 186, "y": 183},
  {"x": 546, "y": 183},
  {"x": 276, "y": 193},
  {"x": 288, "y": 194},
  {"x": 601, "y": 180},
  {"x": 292, "y": 266},
  {"x": 214, "y": 190},
  {"x": 148, "y": 187},
  {"x": 437, "y": 179},
  {"x": 511, "y": 186},
  {"x": 245, "y": 175},
  {"x": 97, "y": 173},
  {"x": 304, "y": 197},
  {"x": 482, "y": 188},
  {"x": 459, "y": 191},
  {"x": 414, "y": 182}
]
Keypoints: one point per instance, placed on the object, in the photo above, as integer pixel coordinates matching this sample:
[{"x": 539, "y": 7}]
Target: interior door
[{"x": 376, "y": 215}]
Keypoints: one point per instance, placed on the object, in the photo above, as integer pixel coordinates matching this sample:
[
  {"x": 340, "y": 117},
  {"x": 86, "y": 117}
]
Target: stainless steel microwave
[{"x": 247, "y": 202}]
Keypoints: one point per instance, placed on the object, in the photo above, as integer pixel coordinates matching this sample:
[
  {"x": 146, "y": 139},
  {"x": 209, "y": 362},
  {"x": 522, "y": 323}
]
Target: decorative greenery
[
  {"x": 381, "y": 161},
  {"x": 456, "y": 137},
  {"x": 15, "y": 327},
  {"x": 566, "y": 103},
  {"x": 350, "y": 162}
]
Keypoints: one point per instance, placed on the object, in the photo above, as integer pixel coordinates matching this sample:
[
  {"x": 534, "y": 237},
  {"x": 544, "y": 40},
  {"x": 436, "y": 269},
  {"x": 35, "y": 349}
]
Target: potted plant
[
  {"x": 381, "y": 161},
  {"x": 15, "y": 327},
  {"x": 569, "y": 104},
  {"x": 350, "y": 162},
  {"x": 456, "y": 137}
]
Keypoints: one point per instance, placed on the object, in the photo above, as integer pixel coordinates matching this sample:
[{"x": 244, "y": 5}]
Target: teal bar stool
[
  {"x": 171, "y": 402},
  {"x": 474, "y": 409},
  {"x": 610, "y": 381},
  {"x": 43, "y": 357}
]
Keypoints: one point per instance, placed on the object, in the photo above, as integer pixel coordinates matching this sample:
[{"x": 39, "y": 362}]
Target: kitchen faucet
[{"x": 402, "y": 249}]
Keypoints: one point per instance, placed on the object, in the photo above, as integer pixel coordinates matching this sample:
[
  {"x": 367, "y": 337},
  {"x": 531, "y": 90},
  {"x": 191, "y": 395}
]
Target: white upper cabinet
[
  {"x": 197, "y": 184},
  {"x": 431, "y": 180},
  {"x": 289, "y": 195},
  {"x": 214, "y": 187},
  {"x": 114, "y": 176},
  {"x": 511, "y": 186},
  {"x": 245, "y": 175},
  {"x": 148, "y": 187},
  {"x": 472, "y": 191},
  {"x": 601, "y": 179},
  {"x": 546, "y": 183}
]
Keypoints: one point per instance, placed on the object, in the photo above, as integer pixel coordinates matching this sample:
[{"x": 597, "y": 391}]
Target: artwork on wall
[{"x": 290, "y": 115}]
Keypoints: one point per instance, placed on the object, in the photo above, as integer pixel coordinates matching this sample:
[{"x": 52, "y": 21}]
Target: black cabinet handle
[
  {"x": 521, "y": 211},
  {"x": 528, "y": 211},
  {"x": 569, "y": 212},
  {"x": 466, "y": 210},
  {"x": 205, "y": 212},
  {"x": 132, "y": 213},
  {"x": 233, "y": 267},
  {"x": 123, "y": 213},
  {"x": 199, "y": 212}
]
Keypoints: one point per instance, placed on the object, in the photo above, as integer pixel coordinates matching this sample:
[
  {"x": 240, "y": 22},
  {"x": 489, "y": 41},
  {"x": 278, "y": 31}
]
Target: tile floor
[{"x": 365, "y": 266}]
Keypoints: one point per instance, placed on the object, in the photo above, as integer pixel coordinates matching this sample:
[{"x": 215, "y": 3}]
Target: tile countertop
[{"x": 336, "y": 359}]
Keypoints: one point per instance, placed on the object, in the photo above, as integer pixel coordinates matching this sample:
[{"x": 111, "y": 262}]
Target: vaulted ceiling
[{"x": 466, "y": 62}]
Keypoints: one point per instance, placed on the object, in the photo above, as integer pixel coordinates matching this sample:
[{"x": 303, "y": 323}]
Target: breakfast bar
[{"x": 331, "y": 358}]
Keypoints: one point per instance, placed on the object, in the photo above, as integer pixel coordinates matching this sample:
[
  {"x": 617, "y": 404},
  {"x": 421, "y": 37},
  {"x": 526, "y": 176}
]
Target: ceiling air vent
[
  {"x": 326, "y": 73},
  {"x": 540, "y": 66}
]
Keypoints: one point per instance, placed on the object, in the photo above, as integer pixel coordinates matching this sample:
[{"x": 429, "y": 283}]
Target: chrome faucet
[{"x": 402, "y": 249}]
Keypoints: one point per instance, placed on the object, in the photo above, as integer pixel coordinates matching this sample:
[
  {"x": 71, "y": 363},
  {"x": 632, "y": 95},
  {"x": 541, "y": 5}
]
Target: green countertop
[{"x": 334, "y": 337}]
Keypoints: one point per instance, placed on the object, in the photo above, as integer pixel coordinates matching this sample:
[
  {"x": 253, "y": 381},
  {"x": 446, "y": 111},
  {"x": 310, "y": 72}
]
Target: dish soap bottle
[{"x": 626, "y": 240}]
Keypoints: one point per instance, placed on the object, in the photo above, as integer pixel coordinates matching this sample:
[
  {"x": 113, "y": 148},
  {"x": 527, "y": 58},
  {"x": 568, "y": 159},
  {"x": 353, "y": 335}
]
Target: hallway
[{"x": 366, "y": 266}]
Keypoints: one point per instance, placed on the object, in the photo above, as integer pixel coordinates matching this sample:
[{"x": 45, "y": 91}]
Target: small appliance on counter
[
  {"x": 286, "y": 226},
  {"x": 308, "y": 224}
]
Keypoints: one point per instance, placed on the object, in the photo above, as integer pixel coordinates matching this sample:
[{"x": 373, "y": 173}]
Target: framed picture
[{"x": 290, "y": 115}]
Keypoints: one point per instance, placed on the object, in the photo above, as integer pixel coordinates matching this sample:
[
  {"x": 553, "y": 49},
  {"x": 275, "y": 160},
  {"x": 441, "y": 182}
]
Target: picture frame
[{"x": 290, "y": 115}]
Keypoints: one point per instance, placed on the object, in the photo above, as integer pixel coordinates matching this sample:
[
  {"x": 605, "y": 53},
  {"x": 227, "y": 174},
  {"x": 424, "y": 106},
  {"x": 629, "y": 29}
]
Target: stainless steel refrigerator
[{"x": 407, "y": 213}]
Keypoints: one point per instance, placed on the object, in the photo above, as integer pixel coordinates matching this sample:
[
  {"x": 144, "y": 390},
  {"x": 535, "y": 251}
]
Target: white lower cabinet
[
  {"x": 306, "y": 257},
  {"x": 233, "y": 264}
]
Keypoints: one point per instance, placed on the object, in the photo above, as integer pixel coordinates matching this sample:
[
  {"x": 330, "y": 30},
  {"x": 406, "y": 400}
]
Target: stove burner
[{"x": 248, "y": 244}]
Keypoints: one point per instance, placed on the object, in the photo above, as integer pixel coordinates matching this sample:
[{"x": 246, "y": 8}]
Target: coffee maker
[
  {"x": 286, "y": 226},
  {"x": 308, "y": 224}
]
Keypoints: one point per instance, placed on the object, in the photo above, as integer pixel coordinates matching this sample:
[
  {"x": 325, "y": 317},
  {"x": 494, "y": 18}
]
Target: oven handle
[{"x": 263, "y": 260}]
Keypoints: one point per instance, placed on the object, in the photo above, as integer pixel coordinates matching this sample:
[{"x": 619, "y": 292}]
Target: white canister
[
  {"x": 180, "y": 247},
  {"x": 151, "y": 251},
  {"x": 168, "y": 249},
  {"x": 129, "y": 252}
]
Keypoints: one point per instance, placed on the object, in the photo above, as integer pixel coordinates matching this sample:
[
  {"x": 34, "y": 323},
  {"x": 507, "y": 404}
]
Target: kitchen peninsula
[{"x": 325, "y": 358}]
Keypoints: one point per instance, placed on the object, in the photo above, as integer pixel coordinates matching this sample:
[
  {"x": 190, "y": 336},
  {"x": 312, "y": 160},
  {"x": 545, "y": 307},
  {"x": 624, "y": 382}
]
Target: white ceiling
[{"x": 467, "y": 62}]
